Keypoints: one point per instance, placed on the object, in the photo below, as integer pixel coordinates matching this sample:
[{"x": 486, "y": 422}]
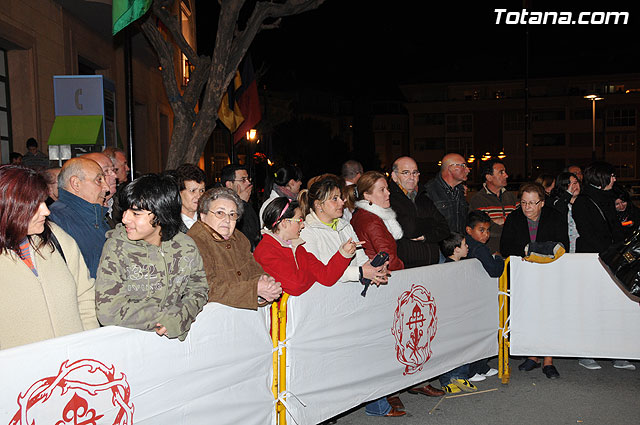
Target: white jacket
[{"x": 323, "y": 242}]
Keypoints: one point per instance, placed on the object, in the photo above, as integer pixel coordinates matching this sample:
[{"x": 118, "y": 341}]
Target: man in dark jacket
[
  {"x": 446, "y": 191},
  {"x": 79, "y": 210},
  {"x": 236, "y": 177},
  {"x": 422, "y": 224}
]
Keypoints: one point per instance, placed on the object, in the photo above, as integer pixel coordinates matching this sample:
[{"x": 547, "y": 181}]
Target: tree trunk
[{"x": 211, "y": 76}]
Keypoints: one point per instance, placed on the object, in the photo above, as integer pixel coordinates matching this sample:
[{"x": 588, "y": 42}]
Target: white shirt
[{"x": 188, "y": 221}]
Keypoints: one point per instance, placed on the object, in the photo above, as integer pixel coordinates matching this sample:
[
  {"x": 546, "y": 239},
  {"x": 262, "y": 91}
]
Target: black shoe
[
  {"x": 551, "y": 372},
  {"x": 528, "y": 365}
]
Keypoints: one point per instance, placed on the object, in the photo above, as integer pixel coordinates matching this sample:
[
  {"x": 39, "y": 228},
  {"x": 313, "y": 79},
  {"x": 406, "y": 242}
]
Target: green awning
[{"x": 76, "y": 130}]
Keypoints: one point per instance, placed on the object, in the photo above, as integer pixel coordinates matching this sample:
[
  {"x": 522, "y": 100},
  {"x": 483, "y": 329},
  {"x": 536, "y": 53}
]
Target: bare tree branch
[
  {"x": 164, "y": 51},
  {"x": 161, "y": 9},
  {"x": 191, "y": 130}
]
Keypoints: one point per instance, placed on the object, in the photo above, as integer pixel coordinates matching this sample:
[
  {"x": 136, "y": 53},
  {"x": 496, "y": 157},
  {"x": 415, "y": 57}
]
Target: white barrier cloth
[
  {"x": 571, "y": 308},
  {"x": 220, "y": 374},
  {"x": 344, "y": 349}
]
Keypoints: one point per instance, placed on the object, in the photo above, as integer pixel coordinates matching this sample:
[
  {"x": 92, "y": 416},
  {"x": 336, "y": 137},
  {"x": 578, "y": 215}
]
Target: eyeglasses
[
  {"x": 529, "y": 203},
  {"x": 407, "y": 173},
  {"x": 233, "y": 216},
  {"x": 243, "y": 179},
  {"x": 295, "y": 220},
  {"x": 462, "y": 164}
]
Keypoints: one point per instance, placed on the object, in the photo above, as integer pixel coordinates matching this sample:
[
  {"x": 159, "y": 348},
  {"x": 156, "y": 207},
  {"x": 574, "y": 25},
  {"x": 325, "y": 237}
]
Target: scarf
[
  {"x": 387, "y": 215},
  {"x": 283, "y": 191}
]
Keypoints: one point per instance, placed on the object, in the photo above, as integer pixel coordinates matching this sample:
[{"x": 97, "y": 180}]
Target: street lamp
[{"x": 593, "y": 98}]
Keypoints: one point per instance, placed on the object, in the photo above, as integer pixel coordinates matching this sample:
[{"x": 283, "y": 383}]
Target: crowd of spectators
[{"x": 150, "y": 253}]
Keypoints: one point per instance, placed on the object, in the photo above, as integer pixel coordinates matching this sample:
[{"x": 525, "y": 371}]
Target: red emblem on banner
[
  {"x": 85, "y": 392},
  {"x": 414, "y": 326}
]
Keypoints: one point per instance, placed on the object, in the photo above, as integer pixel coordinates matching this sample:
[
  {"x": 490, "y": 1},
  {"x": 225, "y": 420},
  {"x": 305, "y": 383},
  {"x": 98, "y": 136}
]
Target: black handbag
[{"x": 622, "y": 262}]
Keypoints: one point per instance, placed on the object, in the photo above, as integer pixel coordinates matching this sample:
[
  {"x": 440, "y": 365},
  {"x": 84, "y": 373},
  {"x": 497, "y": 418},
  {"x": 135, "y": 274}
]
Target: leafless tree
[{"x": 211, "y": 75}]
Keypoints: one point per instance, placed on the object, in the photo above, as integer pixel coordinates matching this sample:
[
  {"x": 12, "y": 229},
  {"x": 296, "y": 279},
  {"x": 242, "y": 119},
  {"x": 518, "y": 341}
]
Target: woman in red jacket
[
  {"x": 373, "y": 219},
  {"x": 282, "y": 255}
]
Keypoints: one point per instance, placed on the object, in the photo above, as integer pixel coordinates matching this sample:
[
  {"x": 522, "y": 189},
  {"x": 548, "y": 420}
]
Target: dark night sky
[{"x": 354, "y": 46}]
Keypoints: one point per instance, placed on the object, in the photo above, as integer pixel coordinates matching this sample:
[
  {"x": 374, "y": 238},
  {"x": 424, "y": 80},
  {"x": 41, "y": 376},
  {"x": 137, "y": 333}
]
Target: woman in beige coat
[{"x": 45, "y": 284}]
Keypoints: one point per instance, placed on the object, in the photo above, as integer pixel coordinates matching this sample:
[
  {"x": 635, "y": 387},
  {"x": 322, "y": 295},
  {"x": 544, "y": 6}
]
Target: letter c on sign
[{"x": 77, "y": 99}]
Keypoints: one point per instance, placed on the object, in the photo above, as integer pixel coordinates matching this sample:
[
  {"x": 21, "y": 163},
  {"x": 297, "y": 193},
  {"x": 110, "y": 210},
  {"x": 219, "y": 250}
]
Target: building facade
[
  {"x": 482, "y": 117},
  {"x": 43, "y": 38}
]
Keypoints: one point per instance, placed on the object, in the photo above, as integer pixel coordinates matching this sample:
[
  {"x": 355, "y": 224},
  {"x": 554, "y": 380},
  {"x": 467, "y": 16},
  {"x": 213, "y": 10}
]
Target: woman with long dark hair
[
  {"x": 562, "y": 198},
  {"x": 286, "y": 181},
  {"x": 46, "y": 288},
  {"x": 595, "y": 215}
]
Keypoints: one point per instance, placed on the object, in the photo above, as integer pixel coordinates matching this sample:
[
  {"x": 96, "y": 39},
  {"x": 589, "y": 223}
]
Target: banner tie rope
[{"x": 287, "y": 406}]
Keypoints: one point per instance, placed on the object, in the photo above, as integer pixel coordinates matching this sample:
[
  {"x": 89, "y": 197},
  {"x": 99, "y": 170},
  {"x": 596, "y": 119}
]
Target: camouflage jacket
[{"x": 139, "y": 285}]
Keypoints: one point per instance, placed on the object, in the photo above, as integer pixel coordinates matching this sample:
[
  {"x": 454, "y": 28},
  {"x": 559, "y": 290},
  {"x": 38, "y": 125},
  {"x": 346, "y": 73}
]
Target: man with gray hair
[
  {"x": 120, "y": 164},
  {"x": 79, "y": 210},
  {"x": 121, "y": 169},
  {"x": 351, "y": 171},
  {"x": 110, "y": 177}
]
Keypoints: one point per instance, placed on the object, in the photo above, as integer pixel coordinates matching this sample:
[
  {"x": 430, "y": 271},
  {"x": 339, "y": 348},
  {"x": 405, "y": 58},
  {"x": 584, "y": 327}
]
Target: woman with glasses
[
  {"x": 235, "y": 278},
  {"x": 282, "y": 254},
  {"x": 533, "y": 222},
  {"x": 150, "y": 275}
]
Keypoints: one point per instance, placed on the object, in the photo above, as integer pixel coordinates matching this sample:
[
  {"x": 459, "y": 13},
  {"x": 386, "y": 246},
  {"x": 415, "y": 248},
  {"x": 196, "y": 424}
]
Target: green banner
[{"x": 127, "y": 11}]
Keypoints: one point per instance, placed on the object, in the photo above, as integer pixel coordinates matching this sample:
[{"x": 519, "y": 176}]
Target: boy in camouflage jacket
[{"x": 151, "y": 276}]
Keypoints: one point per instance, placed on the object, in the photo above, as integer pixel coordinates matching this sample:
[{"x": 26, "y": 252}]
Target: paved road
[{"x": 579, "y": 396}]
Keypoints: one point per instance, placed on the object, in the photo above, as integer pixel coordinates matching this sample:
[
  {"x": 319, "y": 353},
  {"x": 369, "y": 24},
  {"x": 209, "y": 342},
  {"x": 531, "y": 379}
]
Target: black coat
[
  {"x": 515, "y": 234},
  {"x": 249, "y": 225},
  {"x": 598, "y": 226},
  {"x": 419, "y": 218}
]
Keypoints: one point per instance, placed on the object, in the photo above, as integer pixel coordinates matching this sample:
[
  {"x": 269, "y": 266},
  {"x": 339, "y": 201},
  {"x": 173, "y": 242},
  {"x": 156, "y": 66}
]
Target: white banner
[
  {"x": 345, "y": 349},
  {"x": 220, "y": 374},
  {"x": 571, "y": 308}
]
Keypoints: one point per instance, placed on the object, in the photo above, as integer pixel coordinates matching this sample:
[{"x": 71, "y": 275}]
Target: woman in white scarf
[{"x": 373, "y": 219}]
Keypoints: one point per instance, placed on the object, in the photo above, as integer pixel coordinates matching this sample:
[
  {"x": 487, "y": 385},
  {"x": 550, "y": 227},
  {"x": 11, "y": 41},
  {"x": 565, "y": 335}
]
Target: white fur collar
[{"x": 387, "y": 215}]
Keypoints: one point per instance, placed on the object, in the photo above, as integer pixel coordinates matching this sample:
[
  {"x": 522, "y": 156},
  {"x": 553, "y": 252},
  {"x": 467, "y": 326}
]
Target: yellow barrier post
[
  {"x": 275, "y": 328},
  {"x": 504, "y": 372},
  {"x": 282, "y": 365}
]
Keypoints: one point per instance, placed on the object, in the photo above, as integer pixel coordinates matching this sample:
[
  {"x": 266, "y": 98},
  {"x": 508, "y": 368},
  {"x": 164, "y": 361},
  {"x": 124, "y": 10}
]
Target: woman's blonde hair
[{"x": 320, "y": 189}]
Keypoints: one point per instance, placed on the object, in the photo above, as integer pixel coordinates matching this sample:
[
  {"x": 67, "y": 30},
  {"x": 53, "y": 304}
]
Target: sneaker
[
  {"x": 464, "y": 385},
  {"x": 589, "y": 364},
  {"x": 477, "y": 378},
  {"x": 623, "y": 364},
  {"x": 451, "y": 389},
  {"x": 491, "y": 372}
]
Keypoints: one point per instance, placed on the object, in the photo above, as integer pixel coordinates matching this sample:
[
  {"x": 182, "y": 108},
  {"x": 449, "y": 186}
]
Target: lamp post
[
  {"x": 252, "y": 136},
  {"x": 593, "y": 98}
]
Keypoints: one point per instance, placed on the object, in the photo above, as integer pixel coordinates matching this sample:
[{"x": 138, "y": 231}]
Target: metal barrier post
[{"x": 504, "y": 372}]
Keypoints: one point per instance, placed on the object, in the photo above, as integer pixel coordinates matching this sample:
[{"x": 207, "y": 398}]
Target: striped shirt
[{"x": 25, "y": 255}]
